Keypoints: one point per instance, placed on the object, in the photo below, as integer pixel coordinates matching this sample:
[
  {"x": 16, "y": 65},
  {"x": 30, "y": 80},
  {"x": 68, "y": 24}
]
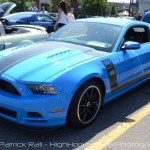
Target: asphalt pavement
[{"x": 112, "y": 115}]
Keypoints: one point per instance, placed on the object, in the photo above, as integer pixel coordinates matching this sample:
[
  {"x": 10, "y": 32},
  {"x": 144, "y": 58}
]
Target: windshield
[{"x": 97, "y": 35}]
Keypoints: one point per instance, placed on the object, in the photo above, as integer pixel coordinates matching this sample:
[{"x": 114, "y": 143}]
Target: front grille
[
  {"x": 8, "y": 112},
  {"x": 8, "y": 87},
  {"x": 34, "y": 114}
]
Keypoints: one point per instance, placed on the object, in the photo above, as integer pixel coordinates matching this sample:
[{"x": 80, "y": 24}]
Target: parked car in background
[
  {"x": 28, "y": 18},
  {"x": 31, "y": 18},
  {"x": 53, "y": 15},
  {"x": 11, "y": 36},
  {"x": 81, "y": 67}
]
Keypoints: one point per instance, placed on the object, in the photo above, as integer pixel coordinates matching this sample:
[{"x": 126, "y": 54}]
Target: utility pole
[{"x": 131, "y": 8}]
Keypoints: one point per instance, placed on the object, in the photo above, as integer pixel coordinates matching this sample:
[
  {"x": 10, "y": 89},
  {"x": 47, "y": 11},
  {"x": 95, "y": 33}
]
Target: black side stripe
[
  {"x": 131, "y": 81},
  {"x": 111, "y": 72}
]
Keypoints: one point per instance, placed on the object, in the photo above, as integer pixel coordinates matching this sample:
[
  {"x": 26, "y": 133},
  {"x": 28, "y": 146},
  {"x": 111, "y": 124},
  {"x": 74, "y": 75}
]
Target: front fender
[{"x": 67, "y": 83}]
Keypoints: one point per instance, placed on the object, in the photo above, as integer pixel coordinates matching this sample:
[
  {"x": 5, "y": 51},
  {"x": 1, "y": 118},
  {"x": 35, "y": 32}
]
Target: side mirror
[{"x": 130, "y": 45}]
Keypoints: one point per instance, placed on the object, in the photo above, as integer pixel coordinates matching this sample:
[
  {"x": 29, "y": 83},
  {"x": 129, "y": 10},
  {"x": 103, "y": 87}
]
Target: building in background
[{"x": 143, "y": 5}]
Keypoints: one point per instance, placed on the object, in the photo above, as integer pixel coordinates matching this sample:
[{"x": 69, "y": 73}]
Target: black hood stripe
[
  {"x": 36, "y": 49},
  {"x": 24, "y": 54}
]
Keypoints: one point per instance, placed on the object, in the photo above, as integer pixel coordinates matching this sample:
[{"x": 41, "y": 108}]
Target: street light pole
[{"x": 130, "y": 8}]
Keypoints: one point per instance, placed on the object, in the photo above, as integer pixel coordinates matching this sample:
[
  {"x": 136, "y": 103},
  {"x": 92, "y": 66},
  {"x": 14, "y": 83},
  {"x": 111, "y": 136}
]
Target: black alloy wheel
[{"x": 85, "y": 105}]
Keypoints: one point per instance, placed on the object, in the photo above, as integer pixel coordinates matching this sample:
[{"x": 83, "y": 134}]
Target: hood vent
[{"x": 8, "y": 87}]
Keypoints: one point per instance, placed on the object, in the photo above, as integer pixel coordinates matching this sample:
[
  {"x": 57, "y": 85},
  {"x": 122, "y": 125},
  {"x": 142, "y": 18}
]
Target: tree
[
  {"x": 113, "y": 11},
  {"x": 20, "y": 4},
  {"x": 95, "y": 7},
  {"x": 55, "y": 5},
  {"x": 80, "y": 2},
  {"x": 3, "y": 1}
]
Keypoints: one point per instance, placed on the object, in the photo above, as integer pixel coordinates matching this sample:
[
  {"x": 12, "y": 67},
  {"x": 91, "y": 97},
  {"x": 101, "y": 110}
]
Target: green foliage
[
  {"x": 3, "y": 1},
  {"x": 21, "y": 4},
  {"x": 95, "y": 7},
  {"x": 80, "y": 2},
  {"x": 113, "y": 11},
  {"x": 55, "y": 5}
]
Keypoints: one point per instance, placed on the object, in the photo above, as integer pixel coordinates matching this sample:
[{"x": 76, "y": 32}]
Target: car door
[
  {"x": 12, "y": 40},
  {"x": 144, "y": 53},
  {"x": 45, "y": 21},
  {"x": 131, "y": 61}
]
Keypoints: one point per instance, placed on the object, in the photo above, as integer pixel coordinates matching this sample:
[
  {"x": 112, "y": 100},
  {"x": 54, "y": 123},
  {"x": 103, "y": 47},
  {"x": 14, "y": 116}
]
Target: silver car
[{"x": 18, "y": 34}]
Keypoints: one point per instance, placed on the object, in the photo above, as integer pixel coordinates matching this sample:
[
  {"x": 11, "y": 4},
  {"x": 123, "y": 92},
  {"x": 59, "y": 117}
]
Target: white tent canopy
[{"x": 124, "y": 13}]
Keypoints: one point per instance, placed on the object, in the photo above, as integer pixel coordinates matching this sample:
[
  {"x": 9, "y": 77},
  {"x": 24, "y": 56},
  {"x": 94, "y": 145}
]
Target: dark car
[
  {"x": 147, "y": 17},
  {"x": 31, "y": 18}
]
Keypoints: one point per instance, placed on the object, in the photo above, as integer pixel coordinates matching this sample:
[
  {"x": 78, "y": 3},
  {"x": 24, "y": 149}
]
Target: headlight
[{"x": 42, "y": 89}]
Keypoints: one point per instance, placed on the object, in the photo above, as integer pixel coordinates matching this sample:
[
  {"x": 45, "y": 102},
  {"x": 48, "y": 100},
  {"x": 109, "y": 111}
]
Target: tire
[{"x": 85, "y": 105}]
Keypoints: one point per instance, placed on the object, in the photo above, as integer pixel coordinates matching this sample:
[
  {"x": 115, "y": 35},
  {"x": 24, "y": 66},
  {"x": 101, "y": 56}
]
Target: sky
[{"x": 119, "y": 1}]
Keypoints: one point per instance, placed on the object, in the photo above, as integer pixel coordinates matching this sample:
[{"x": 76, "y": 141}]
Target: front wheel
[{"x": 85, "y": 105}]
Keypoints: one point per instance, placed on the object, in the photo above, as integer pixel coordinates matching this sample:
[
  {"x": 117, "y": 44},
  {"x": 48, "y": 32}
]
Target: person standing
[
  {"x": 44, "y": 11},
  {"x": 70, "y": 15},
  {"x": 33, "y": 8},
  {"x": 138, "y": 17},
  {"x": 62, "y": 15},
  {"x": 147, "y": 17}
]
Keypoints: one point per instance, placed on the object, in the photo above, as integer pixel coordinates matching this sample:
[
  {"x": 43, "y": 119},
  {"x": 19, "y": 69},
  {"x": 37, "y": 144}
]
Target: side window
[
  {"x": 43, "y": 18},
  {"x": 137, "y": 34},
  {"x": 38, "y": 18},
  {"x": 47, "y": 18}
]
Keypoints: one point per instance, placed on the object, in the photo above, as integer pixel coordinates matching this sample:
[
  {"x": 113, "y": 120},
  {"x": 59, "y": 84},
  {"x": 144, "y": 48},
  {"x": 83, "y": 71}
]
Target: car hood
[
  {"x": 5, "y": 8},
  {"x": 40, "y": 61}
]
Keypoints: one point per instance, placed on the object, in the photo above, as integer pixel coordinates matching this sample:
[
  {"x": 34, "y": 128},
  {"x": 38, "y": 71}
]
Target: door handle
[
  {"x": 2, "y": 47},
  {"x": 8, "y": 45}
]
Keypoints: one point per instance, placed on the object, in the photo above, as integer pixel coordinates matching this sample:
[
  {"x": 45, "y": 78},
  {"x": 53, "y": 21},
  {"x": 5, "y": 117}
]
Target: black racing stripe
[
  {"x": 33, "y": 50},
  {"x": 111, "y": 72},
  {"x": 24, "y": 54}
]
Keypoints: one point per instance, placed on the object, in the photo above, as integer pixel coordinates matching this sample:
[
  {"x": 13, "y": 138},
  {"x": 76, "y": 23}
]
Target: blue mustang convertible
[{"x": 81, "y": 67}]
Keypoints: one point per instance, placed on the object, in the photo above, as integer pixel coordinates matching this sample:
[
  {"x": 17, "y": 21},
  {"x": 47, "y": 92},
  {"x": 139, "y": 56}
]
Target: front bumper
[{"x": 34, "y": 110}]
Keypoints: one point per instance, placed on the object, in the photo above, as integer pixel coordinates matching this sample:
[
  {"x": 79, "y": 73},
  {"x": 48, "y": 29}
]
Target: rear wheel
[{"x": 85, "y": 105}]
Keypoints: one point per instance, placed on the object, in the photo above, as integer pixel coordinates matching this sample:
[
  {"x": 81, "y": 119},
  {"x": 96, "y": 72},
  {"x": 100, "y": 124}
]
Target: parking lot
[
  {"x": 112, "y": 115},
  {"x": 72, "y": 72}
]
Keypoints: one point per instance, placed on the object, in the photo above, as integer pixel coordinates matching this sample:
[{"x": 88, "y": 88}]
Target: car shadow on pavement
[{"x": 68, "y": 138}]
